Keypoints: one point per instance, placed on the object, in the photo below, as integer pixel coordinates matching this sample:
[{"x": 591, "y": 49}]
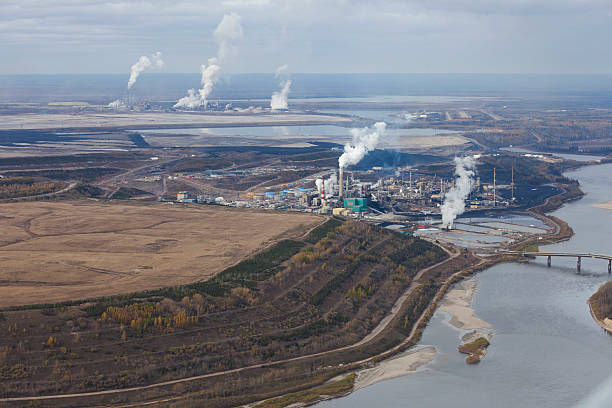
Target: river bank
[
  {"x": 392, "y": 365},
  {"x": 605, "y": 324},
  {"x": 407, "y": 363},
  {"x": 456, "y": 296},
  {"x": 545, "y": 342}
]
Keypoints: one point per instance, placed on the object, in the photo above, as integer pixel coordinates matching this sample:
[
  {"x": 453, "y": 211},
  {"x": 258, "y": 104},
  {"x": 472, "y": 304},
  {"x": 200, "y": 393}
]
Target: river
[{"x": 546, "y": 351}]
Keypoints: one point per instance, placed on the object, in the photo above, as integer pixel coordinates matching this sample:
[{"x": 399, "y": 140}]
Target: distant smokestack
[
  {"x": 322, "y": 189},
  {"x": 494, "y": 186},
  {"x": 340, "y": 192}
]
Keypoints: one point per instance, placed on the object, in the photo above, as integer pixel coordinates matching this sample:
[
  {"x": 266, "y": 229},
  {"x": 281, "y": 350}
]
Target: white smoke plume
[
  {"x": 227, "y": 33},
  {"x": 118, "y": 104},
  {"x": 281, "y": 72},
  {"x": 330, "y": 185},
  {"x": 279, "y": 98},
  {"x": 142, "y": 65},
  {"x": 364, "y": 141},
  {"x": 195, "y": 99},
  {"x": 454, "y": 199}
]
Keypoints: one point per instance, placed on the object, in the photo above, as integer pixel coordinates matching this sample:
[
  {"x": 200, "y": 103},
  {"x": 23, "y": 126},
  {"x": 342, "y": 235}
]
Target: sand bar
[
  {"x": 605, "y": 206},
  {"x": 458, "y": 303},
  {"x": 407, "y": 363}
]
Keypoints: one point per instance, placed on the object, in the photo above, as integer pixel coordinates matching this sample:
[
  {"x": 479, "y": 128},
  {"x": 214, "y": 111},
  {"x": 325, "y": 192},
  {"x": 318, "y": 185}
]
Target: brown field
[{"x": 51, "y": 252}]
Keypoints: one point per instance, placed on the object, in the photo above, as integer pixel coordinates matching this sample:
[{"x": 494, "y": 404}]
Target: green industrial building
[{"x": 356, "y": 205}]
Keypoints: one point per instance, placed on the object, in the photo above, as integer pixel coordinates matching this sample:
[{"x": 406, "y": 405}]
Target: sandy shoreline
[
  {"x": 605, "y": 206},
  {"x": 458, "y": 303},
  {"x": 407, "y": 363}
]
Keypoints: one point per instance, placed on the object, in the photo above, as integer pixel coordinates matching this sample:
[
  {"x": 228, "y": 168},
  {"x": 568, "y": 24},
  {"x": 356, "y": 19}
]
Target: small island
[{"x": 476, "y": 350}]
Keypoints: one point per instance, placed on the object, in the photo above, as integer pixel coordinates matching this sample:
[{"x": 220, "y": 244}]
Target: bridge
[{"x": 578, "y": 256}]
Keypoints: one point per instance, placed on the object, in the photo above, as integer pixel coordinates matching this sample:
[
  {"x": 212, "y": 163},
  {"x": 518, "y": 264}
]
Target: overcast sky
[{"x": 408, "y": 36}]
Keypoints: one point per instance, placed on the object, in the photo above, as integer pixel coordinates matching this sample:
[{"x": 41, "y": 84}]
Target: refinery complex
[{"x": 377, "y": 194}]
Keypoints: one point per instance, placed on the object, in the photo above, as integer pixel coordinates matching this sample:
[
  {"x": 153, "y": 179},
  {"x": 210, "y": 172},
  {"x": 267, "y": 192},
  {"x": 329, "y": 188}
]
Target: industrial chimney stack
[{"x": 341, "y": 185}]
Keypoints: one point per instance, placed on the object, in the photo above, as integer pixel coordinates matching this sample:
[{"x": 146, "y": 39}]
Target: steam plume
[
  {"x": 454, "y": 199},
  {"x": 142, "y": 65},
  {"x": 210, "y": 75},
  {"x": 118, "y": 104},
  {"x": 330, "y": 185},
  {"x": 364, "y": 141},
  {"x": 227, "y": 33},
  {"x": 279, "y": 99}
]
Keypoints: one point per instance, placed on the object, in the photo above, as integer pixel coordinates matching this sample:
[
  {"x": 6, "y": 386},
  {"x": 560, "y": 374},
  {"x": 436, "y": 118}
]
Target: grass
[
  {"x": 311, "y": 395},
  {"x": 246, "y": 273}
]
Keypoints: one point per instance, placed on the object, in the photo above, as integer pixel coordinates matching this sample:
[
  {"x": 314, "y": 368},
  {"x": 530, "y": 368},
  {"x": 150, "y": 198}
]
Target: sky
[{"x": 310, "y": 36}]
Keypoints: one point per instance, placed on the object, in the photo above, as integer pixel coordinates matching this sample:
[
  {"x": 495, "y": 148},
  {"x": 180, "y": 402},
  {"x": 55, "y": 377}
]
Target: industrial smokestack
[
  {"x": 326, "y": 187},
  {"x": 322, "y": 189},
  {"x": 364, "y": 141},
  {"x": 494, "y": 187}
]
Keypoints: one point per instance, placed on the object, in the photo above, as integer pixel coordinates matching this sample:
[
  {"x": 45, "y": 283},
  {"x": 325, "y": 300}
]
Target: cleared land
[
  {"x": 156, "y": 120},
  {"x": 51, "y": 252}
]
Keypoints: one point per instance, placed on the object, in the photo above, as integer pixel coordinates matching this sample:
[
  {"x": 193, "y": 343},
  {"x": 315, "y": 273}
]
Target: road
[{"x": 371, "y": 336}]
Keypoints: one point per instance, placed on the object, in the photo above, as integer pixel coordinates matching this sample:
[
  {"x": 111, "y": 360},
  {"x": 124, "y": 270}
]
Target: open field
[
  {"x": 53, "y": 252},
  {"x": 157, "y": 120}
]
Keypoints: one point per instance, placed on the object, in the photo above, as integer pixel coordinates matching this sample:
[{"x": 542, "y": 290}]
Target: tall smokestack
[
  {"x": 494, "y": 198},
  {"x": 410, "y": 196},
  {"x": 322, "y": 189},
  {"x": 340, "y": 188}
]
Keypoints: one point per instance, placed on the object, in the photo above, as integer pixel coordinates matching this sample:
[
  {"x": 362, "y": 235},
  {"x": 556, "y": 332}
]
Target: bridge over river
[{"x": 577, "y": 255}]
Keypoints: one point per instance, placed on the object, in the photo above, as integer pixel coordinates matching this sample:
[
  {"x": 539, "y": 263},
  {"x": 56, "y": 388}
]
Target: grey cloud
[{"x": 315, "y": 35}]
